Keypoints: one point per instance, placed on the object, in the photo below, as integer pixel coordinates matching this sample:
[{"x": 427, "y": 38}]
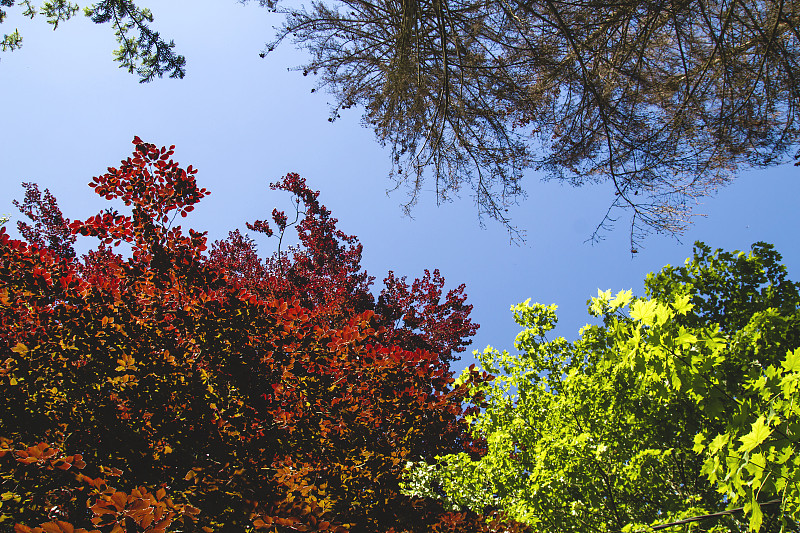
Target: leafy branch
[{"x": 141, "y": 50}]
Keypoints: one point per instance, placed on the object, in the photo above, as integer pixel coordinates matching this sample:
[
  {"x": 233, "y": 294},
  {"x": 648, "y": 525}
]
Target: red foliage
[
  {"x": 324, "y": 273},
  {"x": 230, "y": 392},
  {"x": 110, "y": 509},
  {"x": 427, "y": 322}
]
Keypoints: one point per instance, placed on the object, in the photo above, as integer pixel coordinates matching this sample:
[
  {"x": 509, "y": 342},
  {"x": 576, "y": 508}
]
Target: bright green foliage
[
  {"x": 681, "y": 404},
  {"x": 742, "y": 371}
]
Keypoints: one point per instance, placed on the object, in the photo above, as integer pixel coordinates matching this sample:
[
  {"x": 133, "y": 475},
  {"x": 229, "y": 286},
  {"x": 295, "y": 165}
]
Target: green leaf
[
  {"x": 603, "y": 399},
  {"x": 699, "y": 443},
  {"x": 622, "y": 299},
  {"x": 600, "y": 302},
  {"x": 58, "y": 11},
  {"x": 758, "y": 434},
  {"x": 676, "y": 382},
  {"x": 718, "y": 442},
  {"x": 792, "y": 361},
  {"x": 644, "y": 311},
  {"x": 757, "y": 516},
  {"x": 663, "y": 313},
  {"x": 685, "y": 338},
  {"x": 681, "y": 304}
]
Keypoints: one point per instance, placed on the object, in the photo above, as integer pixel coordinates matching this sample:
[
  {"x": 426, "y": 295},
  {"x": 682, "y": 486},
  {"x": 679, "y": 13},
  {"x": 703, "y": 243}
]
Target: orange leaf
[
  {"x": 52, "y": 527},
  {"x": 66, "y": 526},
  {"x": 97, "y": 483},
  {"x": 163, "y": 524},
  {"x": 120, "y": 499},
  {"x": 116, "y": 472},
  {"x": 101, "y": 509},
  {"x": 138, "y": 505},
  {"x": 146, "y": 521}
]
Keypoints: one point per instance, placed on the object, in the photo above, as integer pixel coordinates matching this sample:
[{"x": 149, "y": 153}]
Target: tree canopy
[
  {"x": 679, "y": 408},
  {"x": 182, "y": 389},
  {"x": 664, "y": 101}
]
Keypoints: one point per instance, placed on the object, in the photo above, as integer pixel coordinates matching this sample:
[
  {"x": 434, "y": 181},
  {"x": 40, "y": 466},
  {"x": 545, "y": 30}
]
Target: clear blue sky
[{"x": 68, "y": 113}]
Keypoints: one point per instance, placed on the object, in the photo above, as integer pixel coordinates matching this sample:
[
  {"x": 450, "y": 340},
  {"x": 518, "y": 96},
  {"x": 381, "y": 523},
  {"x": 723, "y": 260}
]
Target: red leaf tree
[
  {"x": 48, "y": 227},
  {"x": 219, "y": 392}
]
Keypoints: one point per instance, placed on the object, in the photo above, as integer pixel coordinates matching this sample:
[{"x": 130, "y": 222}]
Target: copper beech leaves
[
  {"x": 109, "y": 508},
  {"x": 221, "y": 391}
]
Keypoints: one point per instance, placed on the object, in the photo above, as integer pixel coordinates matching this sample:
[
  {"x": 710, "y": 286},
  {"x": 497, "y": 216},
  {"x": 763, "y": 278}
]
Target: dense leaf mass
[
  {"x": 171, "y": 390},
  {"x": 680, "y": 409}
]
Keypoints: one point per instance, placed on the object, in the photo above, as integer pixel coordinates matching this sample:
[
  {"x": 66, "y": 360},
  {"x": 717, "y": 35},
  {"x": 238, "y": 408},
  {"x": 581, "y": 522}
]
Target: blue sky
[{"x": 69, "y": 112}]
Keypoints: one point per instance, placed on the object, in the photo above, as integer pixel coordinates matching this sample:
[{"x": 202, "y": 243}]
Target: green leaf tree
[{"x": 680, "y": 408}]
